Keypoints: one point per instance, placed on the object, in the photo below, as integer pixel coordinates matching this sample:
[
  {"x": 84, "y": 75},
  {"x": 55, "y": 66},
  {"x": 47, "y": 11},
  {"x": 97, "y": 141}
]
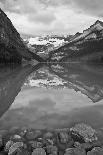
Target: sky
[{"x": 39, "y": 17}]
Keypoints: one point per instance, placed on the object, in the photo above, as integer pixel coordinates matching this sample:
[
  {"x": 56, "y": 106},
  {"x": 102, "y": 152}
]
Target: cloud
[
  {"x": 45, "y": 17},
  {"x": 52, "y": 16},
  {"x": 93, "y": 7}
]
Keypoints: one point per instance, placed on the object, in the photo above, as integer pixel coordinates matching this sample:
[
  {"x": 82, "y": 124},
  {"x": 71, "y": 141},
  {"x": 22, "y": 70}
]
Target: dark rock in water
[
  {"x": 96, "y": 151},
  {"x": 12, "y": 48},
  {"x": 31, "y": 135},
  {"x": 75, "y": 151}
]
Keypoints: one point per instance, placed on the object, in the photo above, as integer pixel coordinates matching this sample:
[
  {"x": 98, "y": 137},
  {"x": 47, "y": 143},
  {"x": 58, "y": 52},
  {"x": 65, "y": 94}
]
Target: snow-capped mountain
[
  {"x": 42, "y": 41},
  {"x": 46, "y": 40},
  {"x": 43, "y": 45}
]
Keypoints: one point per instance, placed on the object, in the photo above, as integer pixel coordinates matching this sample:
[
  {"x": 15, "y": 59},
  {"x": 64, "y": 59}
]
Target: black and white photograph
[{"x": 51, "y": 77}]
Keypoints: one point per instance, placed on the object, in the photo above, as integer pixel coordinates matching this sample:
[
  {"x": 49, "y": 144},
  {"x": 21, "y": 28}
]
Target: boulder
[{"x": 84, "y": 131}]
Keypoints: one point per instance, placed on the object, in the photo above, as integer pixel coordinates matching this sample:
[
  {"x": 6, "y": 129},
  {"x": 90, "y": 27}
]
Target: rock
[
  {"x": 23, "y": 132},
  {"x": 16, "y": 138},
  {"x": 77, "y": 145},
  {"x": 96, "y": 151},
  {"x": 31, "y": 135},
  {"x": 35, "y": 144},
  {"x": 47, "y": 142},
  {"x": 63, "y": 137},
  {"x": 48, "y": 135},
  {"x": 8, "y": 145},
  {"x": 75, "y": 151},
  {"x": 22, "y": 152},
  {"x": 39, "y": 151},
  {"x": 15, "y": 147},
  {"x": 84, "y": 131},
  {"x": 64, "y": 140},
  {"x": 85, "y": 146},
  {"x": 12, "y": 48},
  {"x": 52, "y": 150}
]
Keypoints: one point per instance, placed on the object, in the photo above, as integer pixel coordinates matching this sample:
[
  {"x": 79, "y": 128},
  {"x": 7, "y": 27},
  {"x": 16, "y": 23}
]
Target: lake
[{"x": 51, "y": 95}]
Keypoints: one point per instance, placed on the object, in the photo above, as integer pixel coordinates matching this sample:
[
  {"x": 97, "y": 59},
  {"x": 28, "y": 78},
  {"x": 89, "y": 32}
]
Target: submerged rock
[
  {"x": 75, "y": 151},
  {"x": 31, "y": 135}
]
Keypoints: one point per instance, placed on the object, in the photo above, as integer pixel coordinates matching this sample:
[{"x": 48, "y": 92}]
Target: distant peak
[{"x": 98, "y": 21}]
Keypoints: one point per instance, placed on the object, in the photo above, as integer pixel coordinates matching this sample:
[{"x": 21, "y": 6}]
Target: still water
[{"x": 51, "y": 95}]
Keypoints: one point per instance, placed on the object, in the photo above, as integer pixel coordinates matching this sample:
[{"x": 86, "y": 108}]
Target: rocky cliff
[
  {"x": 12, "y": 48},
  {"x": 87, "y": 46}
]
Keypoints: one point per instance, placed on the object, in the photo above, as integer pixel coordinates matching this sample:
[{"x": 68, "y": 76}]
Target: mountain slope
[
  {"x": 87, "y": 46},
  {"x": 12, "y": 48}
]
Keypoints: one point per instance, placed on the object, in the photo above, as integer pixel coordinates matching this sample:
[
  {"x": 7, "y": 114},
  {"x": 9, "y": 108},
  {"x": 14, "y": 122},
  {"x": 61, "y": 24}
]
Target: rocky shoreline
[{"x": 81, "y": 139}]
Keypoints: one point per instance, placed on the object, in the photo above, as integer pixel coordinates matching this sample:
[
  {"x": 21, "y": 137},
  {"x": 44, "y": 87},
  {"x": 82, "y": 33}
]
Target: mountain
[
  {"x": 12, "y": 48},
  {"x": 83, "y": 47},
  {"x": 95, "y": 31},
  {"x": 43, "y": 45}
]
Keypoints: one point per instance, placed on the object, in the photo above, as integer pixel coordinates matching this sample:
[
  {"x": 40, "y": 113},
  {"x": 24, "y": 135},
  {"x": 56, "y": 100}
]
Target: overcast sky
[{"x": 52, "y": 16}]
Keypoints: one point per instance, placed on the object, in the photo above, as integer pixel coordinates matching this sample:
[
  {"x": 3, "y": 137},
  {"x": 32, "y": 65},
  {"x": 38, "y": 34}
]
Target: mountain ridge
[
  {"x": 83, "y": 47},
  {"x": 12, "y": 48}
]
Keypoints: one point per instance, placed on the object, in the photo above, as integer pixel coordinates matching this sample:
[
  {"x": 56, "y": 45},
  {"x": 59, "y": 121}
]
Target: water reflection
[
  {"x": 82, "y": 77},
  {"x": 11, "y": 80},
  {"x": 53, "y": 95}
]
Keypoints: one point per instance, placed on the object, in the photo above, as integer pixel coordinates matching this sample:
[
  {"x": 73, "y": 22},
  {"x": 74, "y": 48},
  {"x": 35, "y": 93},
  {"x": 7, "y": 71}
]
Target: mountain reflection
[
  {"x": 11, "y": 81},
  {"x": 88, "y": 79},
  {"x": 51, "y": 96}
]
